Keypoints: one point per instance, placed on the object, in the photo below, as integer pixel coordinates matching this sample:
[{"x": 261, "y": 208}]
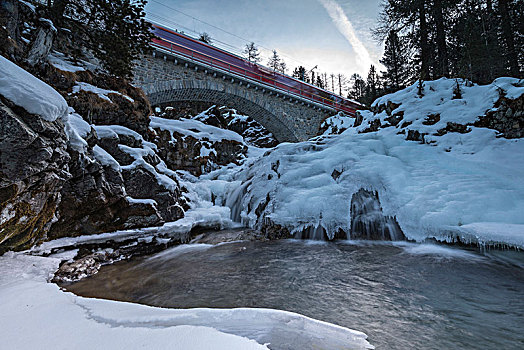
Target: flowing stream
[{"x": 402, "y": 295}]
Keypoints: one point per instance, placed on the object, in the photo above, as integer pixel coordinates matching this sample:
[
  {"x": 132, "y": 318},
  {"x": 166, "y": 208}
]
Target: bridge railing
[{"x": 189, "y": 53}]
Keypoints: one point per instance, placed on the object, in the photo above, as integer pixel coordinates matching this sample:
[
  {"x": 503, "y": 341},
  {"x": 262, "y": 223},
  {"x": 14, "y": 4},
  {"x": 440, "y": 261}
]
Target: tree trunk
[
  {"x": 507, "y": 35},
  {"x": 41, "y": 44},
  {"x": 424, "y": 50},
  {"x": 9, "y": 18},
  {"x": 56, "y": 11},
  {"x": 442, "y": 63}
]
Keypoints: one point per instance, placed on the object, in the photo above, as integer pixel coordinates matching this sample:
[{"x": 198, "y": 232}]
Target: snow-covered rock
[
  {"x": 253, "y": 133},
  {"x": 449, "y": 106},
  {"x": 191, "y": 145},
  {"x": 27, "y": 91},
  {"x": 33, "y": 156},
  {"x": 448, "y": 192}
]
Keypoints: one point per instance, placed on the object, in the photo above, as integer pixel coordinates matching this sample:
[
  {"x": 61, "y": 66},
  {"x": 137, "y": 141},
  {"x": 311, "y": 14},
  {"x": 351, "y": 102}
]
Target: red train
[{"x": 196, "y": 50}]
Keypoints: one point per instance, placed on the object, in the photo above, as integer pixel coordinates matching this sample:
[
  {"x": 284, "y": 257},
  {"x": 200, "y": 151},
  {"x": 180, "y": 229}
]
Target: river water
[{"x": 402, "y": 295}]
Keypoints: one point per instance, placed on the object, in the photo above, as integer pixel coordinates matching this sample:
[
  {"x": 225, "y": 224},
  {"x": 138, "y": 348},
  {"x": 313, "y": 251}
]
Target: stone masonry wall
[{"x": 169, "y": 80}]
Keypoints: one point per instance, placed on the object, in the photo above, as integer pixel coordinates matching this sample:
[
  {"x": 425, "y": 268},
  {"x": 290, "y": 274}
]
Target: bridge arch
[
  {"x": 167, "y": 79},
  {"x": 222, "y": 94}
]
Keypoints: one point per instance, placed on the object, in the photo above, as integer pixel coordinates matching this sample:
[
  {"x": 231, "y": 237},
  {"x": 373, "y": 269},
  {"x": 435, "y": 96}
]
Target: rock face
[
  {"x": 42, "y": 42},
  {"x": 132, "y": 112},
  {"x": 50, "y": 187},
  {"x": 507, "y": 117},
  {"x": 34, "y": 167},
  {"x": 94, "y": 201},
  {"x": 191, "y": 145}
]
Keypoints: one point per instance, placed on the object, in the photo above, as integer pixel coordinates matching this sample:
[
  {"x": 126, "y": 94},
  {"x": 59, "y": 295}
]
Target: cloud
[{"x": 345, "y": 27}]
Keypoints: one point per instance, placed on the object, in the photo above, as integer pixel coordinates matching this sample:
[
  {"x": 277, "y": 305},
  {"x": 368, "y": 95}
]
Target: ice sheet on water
[{"x": 30, "y": 303}]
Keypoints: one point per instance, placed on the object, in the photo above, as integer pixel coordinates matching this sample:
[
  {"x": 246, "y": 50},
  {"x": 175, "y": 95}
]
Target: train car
[{"x": 199, "y": 51}]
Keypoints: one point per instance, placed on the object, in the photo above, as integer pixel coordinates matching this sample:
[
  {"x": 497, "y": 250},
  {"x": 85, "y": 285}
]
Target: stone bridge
[{"x": 167, "y": 77}]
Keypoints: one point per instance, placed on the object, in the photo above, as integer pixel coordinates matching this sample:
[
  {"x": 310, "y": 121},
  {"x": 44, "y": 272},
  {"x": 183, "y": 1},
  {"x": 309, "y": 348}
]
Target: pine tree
[
  {"x": 115, "y": 31},
  {"x": 320, "y": 82},
  {"x": 282, "y": 67},
  {"x": 251, "y": 53},
  {"x": 300, "y": 74},
  {"x": 372, "y": 86},
  {"x": 441, "y": 64},
  {"x": 206, "y": 38},
  {"x": 475, "y": 39},
  {"x": 276, "y": 63},
  {"x": 324, "y": 78},
  {"x": 358, "y": 88},
  {"x": 396, "y": 75},
  {"x": 507, "y": 35},
  {"x": 342, "y": 81}
]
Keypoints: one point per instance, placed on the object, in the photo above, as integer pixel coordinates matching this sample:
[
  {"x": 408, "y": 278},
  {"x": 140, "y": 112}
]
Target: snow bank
[
  {"x": 29, "y": 92},
  {"x": 38, "y": 315},
  {"x": 194, "y": 128},
  {"x": 440, "y": 104},
  {"x": 337, "y": 124},
  {"x": 468, "y": 187}
]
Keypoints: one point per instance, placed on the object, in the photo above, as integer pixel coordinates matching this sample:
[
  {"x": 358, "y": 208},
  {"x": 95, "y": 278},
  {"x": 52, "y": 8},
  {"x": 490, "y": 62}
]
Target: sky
[{"x": 335, "y": 35}]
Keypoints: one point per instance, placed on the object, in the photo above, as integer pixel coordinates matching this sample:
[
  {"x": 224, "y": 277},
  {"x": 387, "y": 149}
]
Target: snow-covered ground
[
  {"x": 38, "y": 315},
  {"x": 467, "y": 185}
]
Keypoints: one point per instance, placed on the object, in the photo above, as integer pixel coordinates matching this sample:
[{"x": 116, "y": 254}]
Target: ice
[
  {"x": 29, "y": 92},
  {"x": 440, "y": 192},
  {"x": 38, "y": 315},
  {"x": 141, "y": 201}
]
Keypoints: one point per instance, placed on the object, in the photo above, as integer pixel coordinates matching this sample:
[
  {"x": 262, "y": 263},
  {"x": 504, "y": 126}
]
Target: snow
[
  {"x": 112, "y": 131},
  {"x": 194, "y": 128},
  {"x": 495, "y": 233},
  {"x": 49, "y": 23},
  {"x": 59, "y": 61},
  {"x": 468, "y": 187},
  {"x": 337, "y": 124},
  {"x": 31, "y": 6},
  {"x": 161, "y": 172},
  {"x": 141, "y": 201},
  {"x": 76, "y": 129},
  {"x": 29, "y": 92},
  {"x": 37, "y": 314},
  {"x": 48, "y": 246},
  {"x": 438, "y": 99},
  {"x": 105, "y": 158},
  {"x": 102, "y": 93},
  {"x": 203, "y": 215}
]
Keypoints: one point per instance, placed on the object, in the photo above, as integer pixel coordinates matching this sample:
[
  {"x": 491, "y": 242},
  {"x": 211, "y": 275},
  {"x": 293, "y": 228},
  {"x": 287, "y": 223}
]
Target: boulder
[{"x": 34, "y": 167}]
